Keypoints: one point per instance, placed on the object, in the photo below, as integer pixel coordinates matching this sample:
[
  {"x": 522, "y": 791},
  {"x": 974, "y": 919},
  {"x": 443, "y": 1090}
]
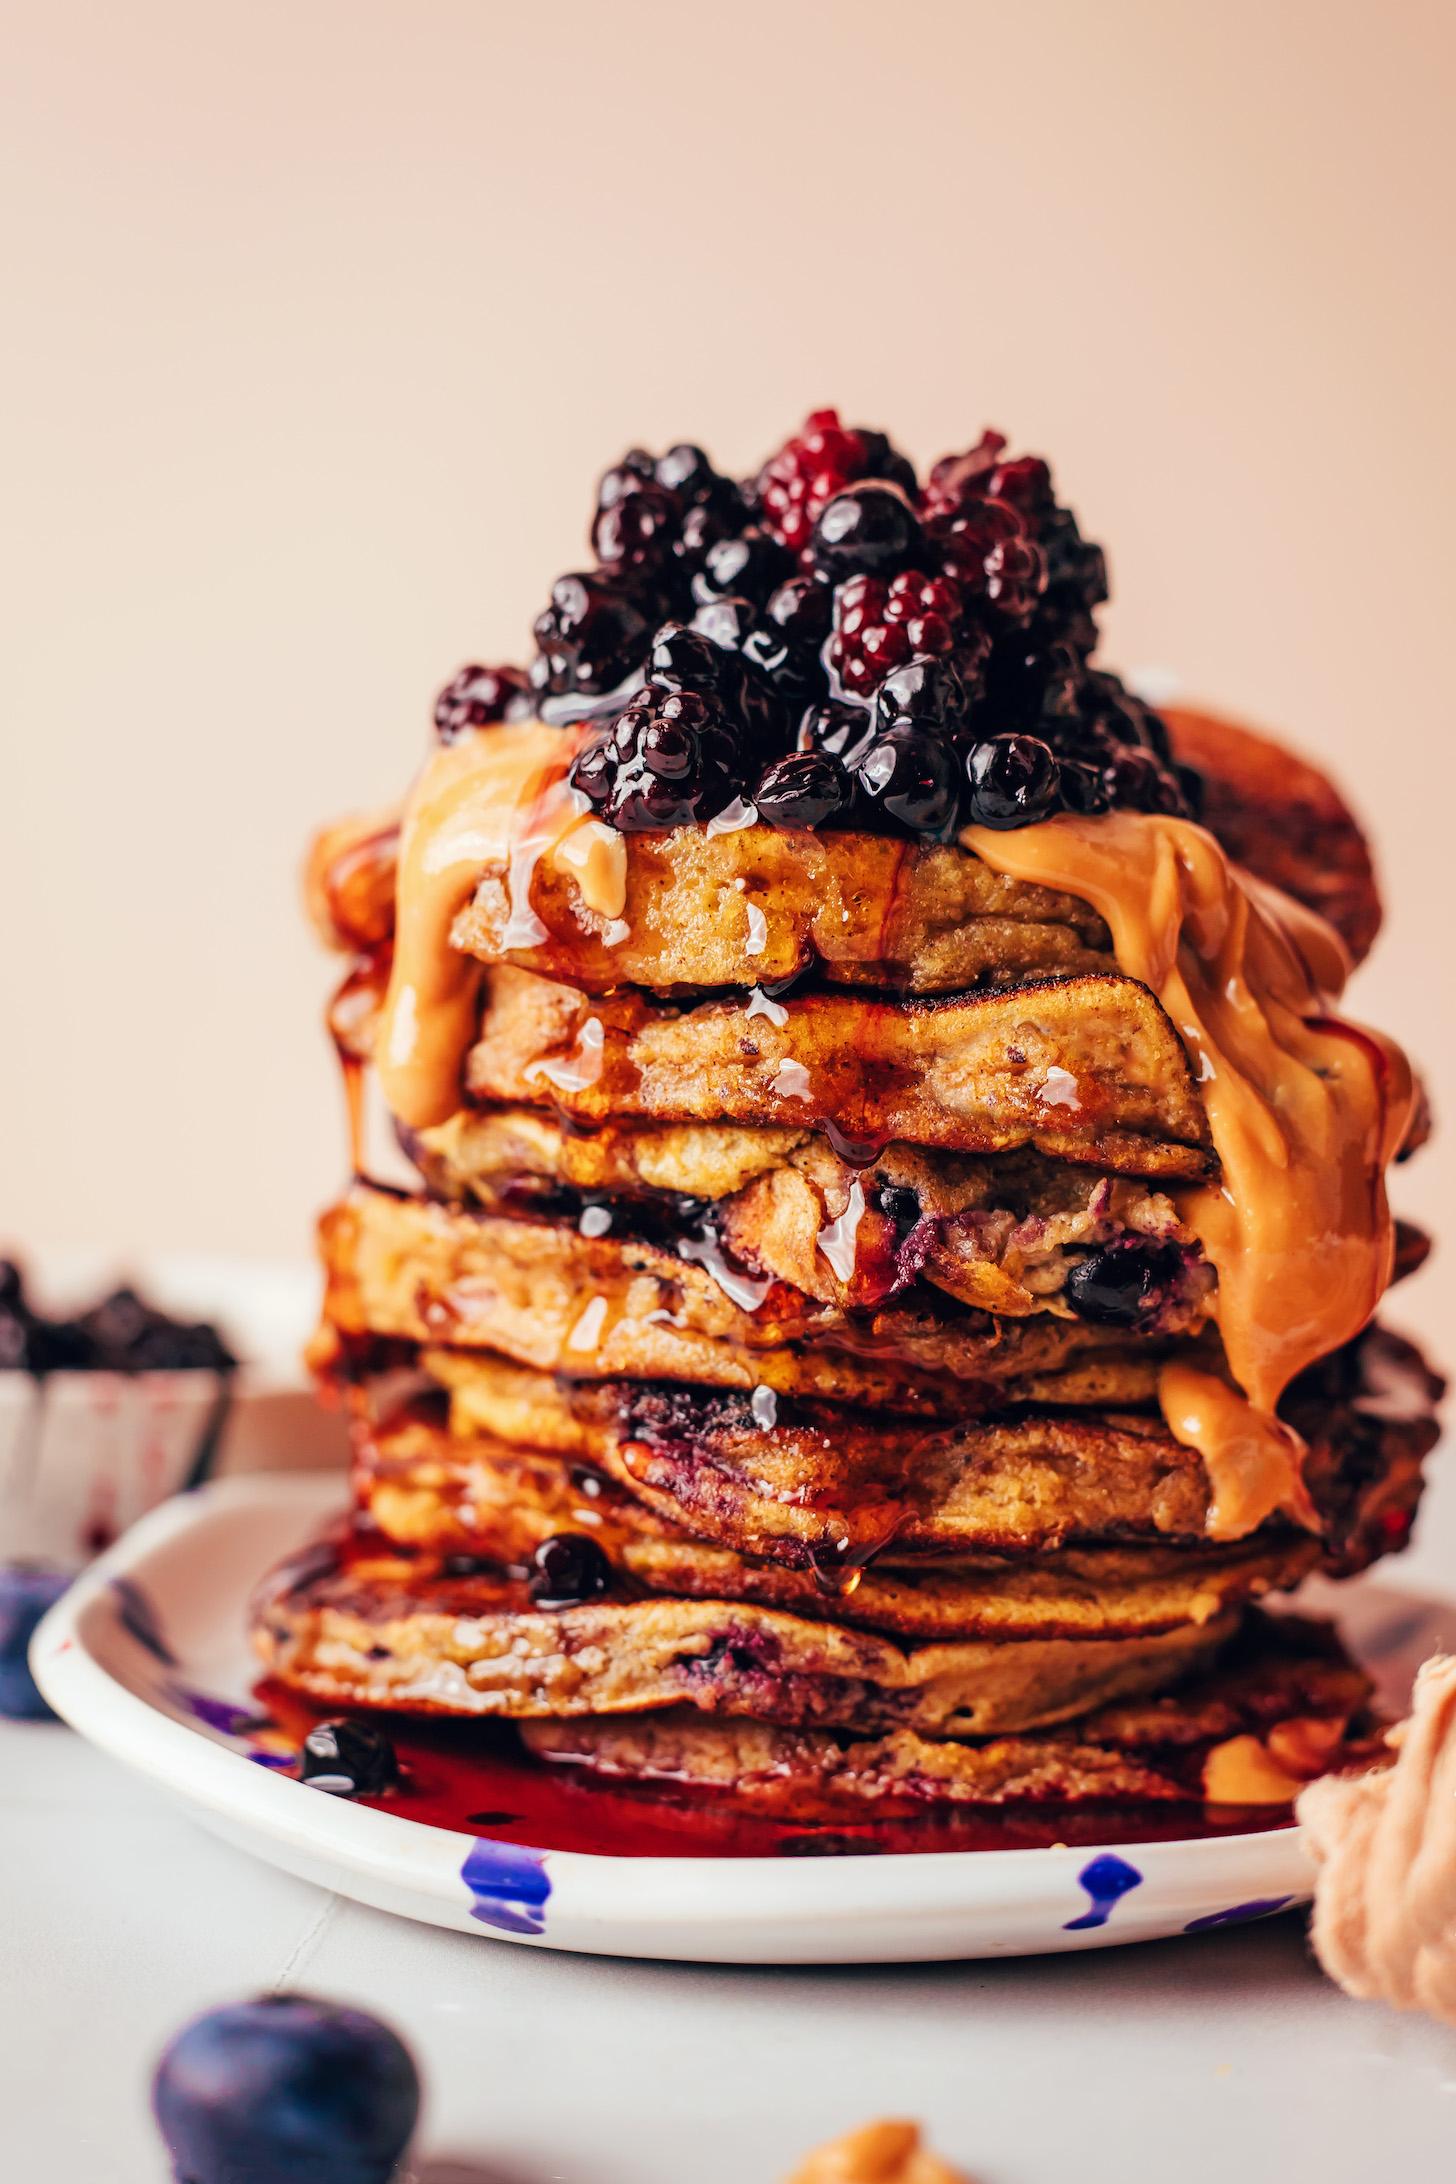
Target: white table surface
[
  {"x": 1217, "y": 2059},
  {"x": 1221, "y": 2058}
]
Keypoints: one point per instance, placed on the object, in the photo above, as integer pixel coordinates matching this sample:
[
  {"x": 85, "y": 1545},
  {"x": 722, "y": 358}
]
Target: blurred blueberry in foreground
[
  {"x": 286, "y": 2090},
  {"x": 27, "y": 1589}
]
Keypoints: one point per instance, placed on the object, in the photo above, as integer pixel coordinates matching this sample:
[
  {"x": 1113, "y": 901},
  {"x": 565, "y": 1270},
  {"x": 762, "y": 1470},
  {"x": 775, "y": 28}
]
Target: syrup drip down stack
[{"x": 888, "y": 1275}]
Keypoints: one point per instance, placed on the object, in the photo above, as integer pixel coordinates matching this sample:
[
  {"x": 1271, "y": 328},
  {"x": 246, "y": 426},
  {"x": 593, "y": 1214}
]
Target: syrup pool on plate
[{"x": 473, "y": 1779}]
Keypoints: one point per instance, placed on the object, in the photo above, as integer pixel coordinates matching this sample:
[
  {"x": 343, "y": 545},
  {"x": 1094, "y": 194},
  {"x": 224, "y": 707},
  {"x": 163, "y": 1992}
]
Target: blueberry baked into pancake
[{"x": 885, "y": 1291}]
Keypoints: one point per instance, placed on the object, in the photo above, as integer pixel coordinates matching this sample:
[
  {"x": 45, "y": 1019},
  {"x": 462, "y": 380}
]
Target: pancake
[
  {"x": 1087, "y": 1069},
  {"x": 351, "y": 1622},
  {"x": 803, "y": 1481},
  {"x": 545, "y": 1295},
  {"x": 1000, "y": 1233},
  {"x": 422, "y": 1488},
  {"x": 858, "y": 908},
  {"x": 1285, "y": 1684}
]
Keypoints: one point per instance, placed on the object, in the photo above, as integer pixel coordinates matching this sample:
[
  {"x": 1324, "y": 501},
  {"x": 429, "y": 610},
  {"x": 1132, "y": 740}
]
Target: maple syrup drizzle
[{"x": 1305, "y": 1111}]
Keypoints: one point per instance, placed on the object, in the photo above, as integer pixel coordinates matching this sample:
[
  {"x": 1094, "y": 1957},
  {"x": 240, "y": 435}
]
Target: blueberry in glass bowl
[{"x": 113, "y": 1406}]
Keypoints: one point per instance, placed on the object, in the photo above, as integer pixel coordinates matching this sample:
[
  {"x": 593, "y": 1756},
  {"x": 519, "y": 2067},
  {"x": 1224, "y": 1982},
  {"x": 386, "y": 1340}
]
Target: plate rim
[{"x": 654, "y": 1892}]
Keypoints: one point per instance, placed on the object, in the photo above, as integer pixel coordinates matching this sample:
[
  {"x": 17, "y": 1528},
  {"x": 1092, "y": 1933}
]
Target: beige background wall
[{"x": 322, "y": 318}]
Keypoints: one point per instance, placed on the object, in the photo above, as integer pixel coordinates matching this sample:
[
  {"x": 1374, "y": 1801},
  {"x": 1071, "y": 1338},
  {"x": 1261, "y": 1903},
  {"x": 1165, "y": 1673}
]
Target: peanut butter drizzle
[
  {"x": 1304, "y": 1110},
  {"x": 496, "y": 800}
]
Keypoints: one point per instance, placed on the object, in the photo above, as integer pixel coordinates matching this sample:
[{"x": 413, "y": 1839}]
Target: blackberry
[
  {"x": 1136, "y": 781},
  {"x": 1038, "y": 688},
  {"x": 476, "y": 696},
  {"x": 686, "y": 472},
  {"x": 956, "y": 481},
  {"x": 870, "y": 530},
  {"x": 803, "y": 790},
  {"x": 1126, "y": 719},
  {"x": 820, "y": 461},
  {"x": 1006, "y": 538},
  {"x": 911, "y": 774},
  {"x": 1015, "y": 780},
  {"x": 1125, "y": 1282},
  {"x": 879, "y": 624},
  {"x": 637, "y": 531},
  {"x": 669, "y": 760},
  {"x": 567, "y": 1569},
  {"x": 993, "y": 556},
  {"x": 627, "y": 476},
  {"x": 125, "y": 1334},
  {"x": 590, "y": 637}
]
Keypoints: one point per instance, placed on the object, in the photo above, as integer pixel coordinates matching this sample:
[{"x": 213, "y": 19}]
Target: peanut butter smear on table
[
  {"x": 1384, "y": 1844},
  {"x": 878, "y": 2153},
  {"x": 1305, "y": 1112}
]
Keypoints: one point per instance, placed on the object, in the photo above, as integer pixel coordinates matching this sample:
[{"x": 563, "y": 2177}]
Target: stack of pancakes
[{"x": 756, "y": 1383}]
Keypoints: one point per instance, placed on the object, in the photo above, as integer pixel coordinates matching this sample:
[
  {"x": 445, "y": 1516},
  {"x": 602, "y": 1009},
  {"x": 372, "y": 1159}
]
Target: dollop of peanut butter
[
  {"x": 888, "y": 2152},
  {"x": 1385, "y": 1846}
]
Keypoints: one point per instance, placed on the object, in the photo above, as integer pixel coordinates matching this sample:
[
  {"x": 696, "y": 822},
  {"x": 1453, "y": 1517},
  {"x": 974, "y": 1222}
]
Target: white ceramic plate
[{"x": 146, "y": 1656}]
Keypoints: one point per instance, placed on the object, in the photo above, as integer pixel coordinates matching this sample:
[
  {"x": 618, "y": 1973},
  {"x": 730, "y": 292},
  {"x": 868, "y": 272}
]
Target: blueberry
[
  {"x": 1124, "y": 1282},
  {"x": 1015, "y": 780},
  {"x": 929, "y": 687},
  {"x": 802, "y": 610},
  {"x": 748, "y": 566},
  {"x": 870, "y": 530},
  {"x": 1083, "y": 788},
  {"x": 802, "y": 790},
  {"x": 912, "y": 774},
  {"x": 348, "y": 1759},
  {"x": 726, "y": 623},
  {"x": 844, "y": 731},
  {"x": 1193, "y": 789},
  {"x": 591, "y": 636},
  {"x": 286, "y": 2090},
  {"x": 684, "y": 658},
  {"x": 567, "y": 1569},
  {"x": 26, "y": 1591}
]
